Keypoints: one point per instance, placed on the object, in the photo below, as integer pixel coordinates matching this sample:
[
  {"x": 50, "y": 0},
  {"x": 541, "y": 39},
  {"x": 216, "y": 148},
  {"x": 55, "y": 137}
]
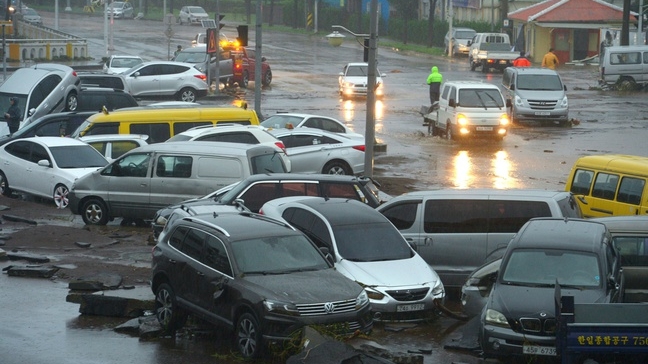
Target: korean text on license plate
[
  {"x": 542, "y": 113},
  {"x": 539, "y": 350},
  {"x": 484, "y": 128},
  {"x": 412, "y": 307}
]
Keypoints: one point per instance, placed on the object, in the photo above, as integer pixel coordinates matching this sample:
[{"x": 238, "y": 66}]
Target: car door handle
[
  {"x": 200, "y": 274},
  {"x": 143, "y": 184},
  {"x": 427, "y": 241}
]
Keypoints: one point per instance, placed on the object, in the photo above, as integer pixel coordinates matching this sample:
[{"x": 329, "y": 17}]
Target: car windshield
[
  {"x": 196, "y": 10},
  {"x": 371, "y": 242},
  {"x": 464, "y": 34},
  {"x": 281, "y": 121},
  {"x": 125, "y": 62},
  {"x": 77, "y": 156},
  {"x": 29, "y": 11},
  {"x": 277, "y": 255},
  {"x": 357, "y": 71},
  {"x": 545, "y": 267},
  {"x": 480, "y": 98},
  {"x": 539, "y": 82}
]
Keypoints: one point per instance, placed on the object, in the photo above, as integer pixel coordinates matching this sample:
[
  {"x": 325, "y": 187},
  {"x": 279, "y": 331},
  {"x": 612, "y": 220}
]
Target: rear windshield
[{"x": 268, "y": 163}]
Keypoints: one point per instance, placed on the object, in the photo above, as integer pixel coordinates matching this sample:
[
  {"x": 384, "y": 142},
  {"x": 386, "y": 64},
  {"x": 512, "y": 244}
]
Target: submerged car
[
  {"x": 354, "y": 78},
  {"x": 368, "y": 249},
  {"x": 252, "y": 275}
]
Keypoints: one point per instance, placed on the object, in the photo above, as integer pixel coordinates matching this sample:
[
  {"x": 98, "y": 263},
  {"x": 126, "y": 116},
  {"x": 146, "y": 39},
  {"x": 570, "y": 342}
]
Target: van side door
[
  {"x": 445, "y": 112},
  {"x": 407, "y": 217},
  {"x": 128, "y": 186},
  {"x": 630, "y": 195}
]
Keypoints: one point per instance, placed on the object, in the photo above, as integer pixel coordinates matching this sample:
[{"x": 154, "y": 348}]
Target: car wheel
[
  {"x": 94, "y": 212},
  {"x": 472, "y": 64},
  {"x": 4, "y": 185},
  {"x": 169, "y": 316},
  {"x": 61, "y": 196},
  {"x": 267, "y": 78},
  {"x": 627, "y": 85},
  {"x": 71, "y": 102},
  {"x": 187, "y": 94},
  {"x": 337, "y": 167},
  {"x": 248, "y": 336},
  {"x": 245, "y": 80}
]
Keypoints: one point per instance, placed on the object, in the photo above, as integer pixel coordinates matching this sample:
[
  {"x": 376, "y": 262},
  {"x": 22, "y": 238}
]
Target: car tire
[
  {"x": 71, "y": 102},
  {"x": 248, "y": 336},
  {"x": 187, "y": 94},
  {"x": 245, "y": 80},
  {"x": 267, "y": 78},
  {"x": 337, "y": 167},
  {"x": 170, "y": 317},
  {"x": 60, "y": 196},
  {"x": 4, "y": 185},
  {"x": 94, "y": 212}
]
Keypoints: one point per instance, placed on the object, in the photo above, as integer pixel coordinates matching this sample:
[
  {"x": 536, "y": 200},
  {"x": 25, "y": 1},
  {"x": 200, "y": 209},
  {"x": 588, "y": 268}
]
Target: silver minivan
[
  {"x": 624, "y": 66},
  {"x": 536, "y": 94},
  {"x": 151, "y": 177},
  {"x": 455, "y": 230},
  {"x": 41, "y": 89}
]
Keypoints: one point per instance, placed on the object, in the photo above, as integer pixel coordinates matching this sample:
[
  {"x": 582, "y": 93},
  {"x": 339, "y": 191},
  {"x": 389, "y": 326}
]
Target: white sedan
[
  {"x": 353, "y": 80},
  {"x": 318, "y": 151},
  {"x": 119, "y": 64},
  {"x": 293, "y": 120},
  {"x": 46, "y": 166}
]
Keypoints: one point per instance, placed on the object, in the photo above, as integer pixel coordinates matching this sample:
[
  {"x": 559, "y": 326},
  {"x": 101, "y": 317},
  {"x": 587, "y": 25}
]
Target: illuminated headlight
[
  {"x": 504, "y": 120},
  {"x": 564, "y": 102},
  {"x": 496, "y": 318},
  {"x": 462, "y": 119},
  {"x": 518, "y": 101},
  {"x": 362, "y": 300},
  {"x": 380, "y": 89},
  {"x": 281, "y": 308}
]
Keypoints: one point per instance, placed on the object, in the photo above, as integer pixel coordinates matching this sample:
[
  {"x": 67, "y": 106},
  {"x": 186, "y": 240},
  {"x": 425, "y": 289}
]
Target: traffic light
[
  {"x": 242, "y": 35},
  {"x": 220, "y": 19}
]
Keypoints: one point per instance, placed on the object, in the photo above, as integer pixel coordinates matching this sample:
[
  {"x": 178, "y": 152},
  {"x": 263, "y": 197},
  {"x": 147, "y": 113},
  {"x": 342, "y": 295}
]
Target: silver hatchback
[{"x": 166, "y": 79}]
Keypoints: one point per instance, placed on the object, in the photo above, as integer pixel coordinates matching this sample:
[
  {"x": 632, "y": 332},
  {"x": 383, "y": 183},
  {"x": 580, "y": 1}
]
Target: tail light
[
  {"x": 359, "y": 147},
  {"x": 281, "y": 146},
  {"x": 202, "y": 77}
]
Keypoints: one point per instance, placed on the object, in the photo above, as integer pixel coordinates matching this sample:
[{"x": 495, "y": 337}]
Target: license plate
[
  {"x": 412, "y": 307},
  {"x": 542, "y": 113},
  {"x": 539, "y": 350},
  {"x": 503, "y": 61},
  {"x": 484, "y": 128}
]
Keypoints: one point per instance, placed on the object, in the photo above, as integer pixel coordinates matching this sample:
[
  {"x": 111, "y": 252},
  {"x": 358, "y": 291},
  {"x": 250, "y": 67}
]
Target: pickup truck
[
  {"x": 198, "y": 56},
  {"x": 491, "y": 50},
  {"x": 617, "y": 331},
  {"x": 244, "y": 59}
]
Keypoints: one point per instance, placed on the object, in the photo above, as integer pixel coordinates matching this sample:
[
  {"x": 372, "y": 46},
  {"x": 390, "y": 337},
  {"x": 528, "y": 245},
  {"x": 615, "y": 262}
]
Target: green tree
[{"x": 407, "y": 9}]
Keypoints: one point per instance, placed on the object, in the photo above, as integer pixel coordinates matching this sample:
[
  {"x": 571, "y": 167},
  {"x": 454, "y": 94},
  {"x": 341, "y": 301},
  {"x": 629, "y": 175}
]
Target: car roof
[
  {"x": 112, "y": 137},
  {"x": 472, "y": 84},
  {"x": 338, "y": 211},
  {"x": 199, "y": 147},
  {"x": 52, "y": 141},
  {"x": 305, "y": 177},
  {"x": 220, "y": 128},
  {"x": 492, "y": 192},
  {"x": 625, "y": 224},
  {"x": 561, "y": 234},
  {"x": 307, "y": 130},
  {"x": 23, "y": 80},
  {"x": 535, "y": 70},
  {"x": 300, "y": 115},
  {"x": 364, "y": 64},
  {"x": 244, "y": 225}
]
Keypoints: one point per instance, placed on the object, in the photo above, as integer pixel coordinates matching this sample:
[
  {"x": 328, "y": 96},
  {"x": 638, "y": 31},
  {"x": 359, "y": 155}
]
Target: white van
[
  {"x": 536, "y": 94},
  {"x": 154, "y": 176},
  {"x": 624, "y": 66},
  {"x": 456, "y": 230},
  {"x": 469, "y": 109}
]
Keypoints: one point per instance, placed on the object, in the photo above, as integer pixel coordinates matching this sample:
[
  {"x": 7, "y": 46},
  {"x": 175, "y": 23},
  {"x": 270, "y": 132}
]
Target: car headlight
[
  {"x": 518, "y": 101},
  {"x": 564, "y": 102},
  {"x": 438, "y": 290},
  {"x": 504, "y": 120},
  {"x": 495, "y": 318},
  {"x": 281, "y": 308},
  {"x": 373, "y": 294},
  {"x": 462, "y": 119},
  {"x": 362, "y": 300}
]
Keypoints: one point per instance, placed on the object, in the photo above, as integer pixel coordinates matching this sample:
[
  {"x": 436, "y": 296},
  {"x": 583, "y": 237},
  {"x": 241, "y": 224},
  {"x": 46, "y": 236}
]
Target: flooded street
[{"x": 38, "y": 326}]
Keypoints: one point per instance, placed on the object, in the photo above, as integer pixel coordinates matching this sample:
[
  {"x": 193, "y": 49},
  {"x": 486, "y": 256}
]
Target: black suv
[
  {"x": 57, "y": 124},
  {"x": 254, "y": 275},
  {"x": 98, "y": 98},
  {"x": 258, "y": 189}
]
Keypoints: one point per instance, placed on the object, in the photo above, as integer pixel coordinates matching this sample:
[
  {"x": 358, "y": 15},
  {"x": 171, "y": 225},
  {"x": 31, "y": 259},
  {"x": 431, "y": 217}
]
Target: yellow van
[
  {"x": 161, "y": 123},
  {"x": 610, "y": 185}
]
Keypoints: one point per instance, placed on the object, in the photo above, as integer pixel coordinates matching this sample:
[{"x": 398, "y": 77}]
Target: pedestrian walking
[
  {"x": 12, "y": 116},
  {"x": 550, "y": 60},
  {"x": 522, "y": 61},
  {"x": 178, "y": 50},
  {"x": 434, "y": 79}
]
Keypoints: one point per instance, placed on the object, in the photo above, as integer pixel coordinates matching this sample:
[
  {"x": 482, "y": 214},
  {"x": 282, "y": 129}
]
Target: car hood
[
  {"x": 360, "y": 79},
  {"x": 75, "y": 173},
  {"x": 391, "y": 273},
  {"x": 517, "y": 301},
  {"x": 305, "y": 287},
  {"x": 549, "y": 95}
]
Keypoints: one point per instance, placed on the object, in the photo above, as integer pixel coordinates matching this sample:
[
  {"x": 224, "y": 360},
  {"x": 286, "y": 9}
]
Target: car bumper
[
  {"x": 499, "y": 341},
  {"x": 74, "y": 203},
  {"x": 560, "y": 115},
  {"x": 480, "y": 130}
]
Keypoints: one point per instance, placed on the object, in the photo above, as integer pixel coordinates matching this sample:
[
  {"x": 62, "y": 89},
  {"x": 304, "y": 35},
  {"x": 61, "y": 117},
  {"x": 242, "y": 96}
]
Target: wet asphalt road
[{"x": 40, "y": 327}]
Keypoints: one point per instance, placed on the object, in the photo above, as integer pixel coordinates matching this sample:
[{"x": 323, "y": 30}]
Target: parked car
[
  {"x": 113, "y": 146},
  {"x": 30, "y": 15},
  {"x": 101, "y": 99},
  {"x": 57, "y": 124},
  {"x": 459, "y": 38},
  {"x": 151, "y": 177},
  {"x": 625, "y": 67},
  {"x": 353, "y": 80},
  {"x": 106, "y": 80},
  {"x": 120, "y": 10},
  {"x": 259, "y": 278},
  {"x": 40, "y": 90},
  {"x": 292, "y": 120},
  {"x": 46, "y": 166},
  {"x": 367, "y": 249},
  {"x": 478, "y": 286},
  {"x": 201, "y": 39},
  {"x": 121, "y": 63},
  {"x": 258, "y": 189},
  {"x": 192, "y": 15},
  {"x": 578, "y": 255},
  {"x": 198, "y": 56},
  {"x": 159, "y": 79},
  {"x": 318, "y": 151}
]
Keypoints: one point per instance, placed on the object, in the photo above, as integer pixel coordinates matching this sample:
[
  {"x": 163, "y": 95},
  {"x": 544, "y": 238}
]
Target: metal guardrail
[{"x": 44, "y": 43}]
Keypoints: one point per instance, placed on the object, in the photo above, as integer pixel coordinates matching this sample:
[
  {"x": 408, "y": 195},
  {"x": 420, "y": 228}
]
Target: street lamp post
[{"x": 370, "y": 124}]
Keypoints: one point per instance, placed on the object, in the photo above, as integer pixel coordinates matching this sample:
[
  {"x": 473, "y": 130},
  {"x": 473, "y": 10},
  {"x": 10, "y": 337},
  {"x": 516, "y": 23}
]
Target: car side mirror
[
  {"x": 469, "y": 42},
  {"x": 565, "y": 87},
  {"x": 383, "y": 75},
  {"x": 512, "y": 86},
  {"x": 44, "y": 163},
  {"x": 31, "y": 111},
  {"x": 509, "y": 103},
  {"x": 341, "y": 74},
  {"x": 136, "y": 74},
  {"x": 452, "y": 103},
  {"x": 263, "y": 59}
]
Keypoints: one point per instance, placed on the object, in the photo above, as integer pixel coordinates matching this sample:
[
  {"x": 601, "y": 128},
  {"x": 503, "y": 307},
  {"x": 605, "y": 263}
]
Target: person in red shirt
[{"x": 521, "y": 61}]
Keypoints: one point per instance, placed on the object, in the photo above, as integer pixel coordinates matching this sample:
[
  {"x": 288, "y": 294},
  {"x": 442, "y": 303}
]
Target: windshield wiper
[
  {"x": 481, "y": 100},
  {"x": 494, "y": 101}
]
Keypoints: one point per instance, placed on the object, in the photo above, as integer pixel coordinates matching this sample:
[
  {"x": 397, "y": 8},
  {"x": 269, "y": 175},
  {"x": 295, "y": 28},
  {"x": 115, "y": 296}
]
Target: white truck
[{"x": 491, "y": 50}]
